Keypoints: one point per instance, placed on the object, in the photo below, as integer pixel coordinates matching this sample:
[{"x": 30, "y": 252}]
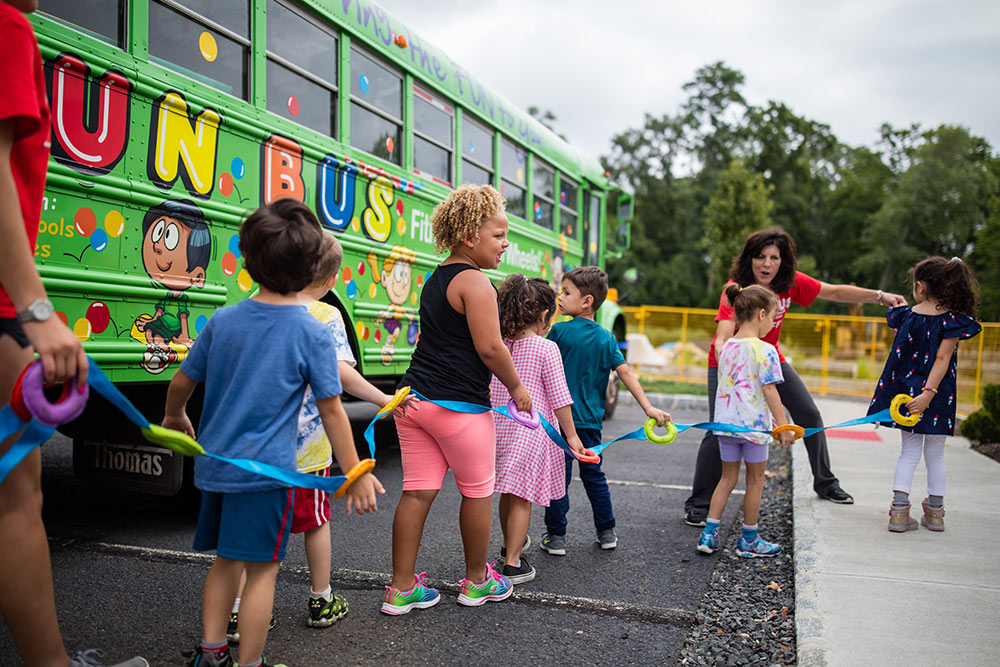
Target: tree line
[{"x": 719, "y": 168}]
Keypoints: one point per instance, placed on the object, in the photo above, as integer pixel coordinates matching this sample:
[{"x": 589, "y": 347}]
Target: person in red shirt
[
  {"x": 27, "y": 325},
  {"x": 768, "y": 259}
]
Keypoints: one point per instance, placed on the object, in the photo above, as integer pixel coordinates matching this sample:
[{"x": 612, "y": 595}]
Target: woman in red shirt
[{"x": 768, "y": 259}]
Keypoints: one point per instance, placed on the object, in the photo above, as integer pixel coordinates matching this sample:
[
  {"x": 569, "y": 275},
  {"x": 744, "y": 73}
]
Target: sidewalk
[{"x": 865, "y": 596}]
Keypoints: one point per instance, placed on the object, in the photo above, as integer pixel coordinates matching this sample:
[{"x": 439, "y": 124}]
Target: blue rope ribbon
[
  {"x": 637, "y": 434},
  {"x": 35, "y": 434}
]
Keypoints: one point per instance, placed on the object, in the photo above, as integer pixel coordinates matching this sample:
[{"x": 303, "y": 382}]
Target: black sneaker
[
  {"x": 696, "y": 519},
  {"x": 92, "y": 658},
  {"x": 555, "y": 545},
  {"x": 324, "y": 613},
  {"x": 837, "y": 495},
  {"x": 524, "y": 547},
  {"x": 519, "y": 574},
  {"x": 233, "y": 629},
  {"x": 199, "y": 658}
]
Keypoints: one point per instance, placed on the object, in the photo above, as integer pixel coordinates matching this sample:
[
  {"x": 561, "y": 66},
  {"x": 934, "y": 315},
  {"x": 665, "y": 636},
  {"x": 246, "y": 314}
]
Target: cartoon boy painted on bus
[
  {"x": 176, "y": 248},
  {"x": 397, "y": 279}
]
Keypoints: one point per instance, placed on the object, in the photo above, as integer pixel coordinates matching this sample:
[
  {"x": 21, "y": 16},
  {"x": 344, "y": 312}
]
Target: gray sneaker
[
  {"x": 92, "y": 658},
  {"x": 555, "y": 545},
  {"x": 607, "y": 539}
]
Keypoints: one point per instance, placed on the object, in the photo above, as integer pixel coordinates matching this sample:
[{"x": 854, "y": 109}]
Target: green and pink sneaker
[
  {"x": 399, "y": 602},
  {"x": 496, "y": 587}
]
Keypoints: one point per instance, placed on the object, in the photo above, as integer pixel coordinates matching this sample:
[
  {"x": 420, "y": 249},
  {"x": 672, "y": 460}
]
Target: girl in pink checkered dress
[{"x": 530, "y": 468}]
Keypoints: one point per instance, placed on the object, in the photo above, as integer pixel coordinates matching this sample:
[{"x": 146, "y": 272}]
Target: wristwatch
[{"x": 38, "y": 310}]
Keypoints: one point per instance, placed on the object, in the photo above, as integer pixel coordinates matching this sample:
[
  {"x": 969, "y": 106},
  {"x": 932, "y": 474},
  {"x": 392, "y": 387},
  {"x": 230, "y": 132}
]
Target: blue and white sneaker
[
  {"x": 708, "y": 543},
  {"x": 759, "y": 548}
]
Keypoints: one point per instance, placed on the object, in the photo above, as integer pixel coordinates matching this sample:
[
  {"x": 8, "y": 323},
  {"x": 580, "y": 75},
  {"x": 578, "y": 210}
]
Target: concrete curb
[
  {"x": 810, "y": 643},
  {"x": 668, "y": 402}
]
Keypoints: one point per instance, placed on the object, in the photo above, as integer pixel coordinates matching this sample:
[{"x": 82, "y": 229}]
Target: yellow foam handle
[
  {"x": 796, "y": 430},
  {"x": 360, "y": 468},
  {"x": 400, "y": 394},
  {"x": 659, "y": 439},
  {"x": 179, "y": 442},
  {"x": 897, "y": 416}
]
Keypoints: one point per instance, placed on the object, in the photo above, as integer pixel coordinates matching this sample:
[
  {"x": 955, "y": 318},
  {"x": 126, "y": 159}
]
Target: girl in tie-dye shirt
[{"x": 749, "y": 371}]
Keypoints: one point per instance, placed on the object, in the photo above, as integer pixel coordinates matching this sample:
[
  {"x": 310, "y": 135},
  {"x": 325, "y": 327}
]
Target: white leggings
[{"x": 909, "y": 457}]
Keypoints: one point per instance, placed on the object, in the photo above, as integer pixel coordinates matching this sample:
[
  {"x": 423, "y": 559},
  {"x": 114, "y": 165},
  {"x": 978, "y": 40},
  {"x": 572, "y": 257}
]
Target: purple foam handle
[
  {"x": 66, "y": 409},
  {"x": 533, "y": 420}
]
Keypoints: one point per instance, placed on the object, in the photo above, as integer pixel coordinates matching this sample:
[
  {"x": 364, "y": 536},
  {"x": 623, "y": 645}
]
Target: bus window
[
  {"x": 376, "y": 108},
  {"x": 543, "y": 186},
  {"x": 433, "y": 138},
  {"x": 207, "y": 41},
  {"x": 513, "y": 163},
  {"x": 477, "y": 153},
  {"x": 101, "y": 18},
  {"x": 301, "y": 69},
  {"x": 567, "y": 207}
]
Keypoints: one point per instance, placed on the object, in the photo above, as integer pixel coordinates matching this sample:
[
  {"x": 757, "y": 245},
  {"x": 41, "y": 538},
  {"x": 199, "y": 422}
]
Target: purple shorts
[{"x": 733, "y": 449}]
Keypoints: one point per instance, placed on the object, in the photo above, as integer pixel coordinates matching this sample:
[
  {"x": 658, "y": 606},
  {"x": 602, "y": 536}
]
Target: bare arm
[
  {"x": 777, "y": 412},
  {"x": 59, "y": 349},
  {"x": 175, "y": 412},
  {"x": 479, "y": 303},
  {"x": 564, "y": 416},
  {"x": 854, "y": 294},
  {"x": 360, "y": 494},
  {"x": 723, "y": 332},
  {"x": 355, "y": 384},
  {"x": 940, "y": 367},
  {"x": 631, "y": 382}
]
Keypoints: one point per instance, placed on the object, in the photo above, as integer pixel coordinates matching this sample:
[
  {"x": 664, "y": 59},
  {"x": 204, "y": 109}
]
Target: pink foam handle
[
  {"x": 533, "y": 420},
  {"x": 69, "y": 406}
]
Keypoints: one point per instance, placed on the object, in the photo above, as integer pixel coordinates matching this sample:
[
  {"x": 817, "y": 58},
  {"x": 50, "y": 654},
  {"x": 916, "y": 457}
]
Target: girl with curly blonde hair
[{"x": 458, "y": 350}]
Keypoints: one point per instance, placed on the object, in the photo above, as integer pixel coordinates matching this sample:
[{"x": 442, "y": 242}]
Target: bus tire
[{"x": 611, "y": 396}]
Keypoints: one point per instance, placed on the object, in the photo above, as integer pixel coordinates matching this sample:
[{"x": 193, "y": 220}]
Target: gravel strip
[{"x": 747, "y": 615}]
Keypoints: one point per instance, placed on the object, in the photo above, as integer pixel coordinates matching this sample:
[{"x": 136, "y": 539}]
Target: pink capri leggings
[{"x": 433, "y": 439}]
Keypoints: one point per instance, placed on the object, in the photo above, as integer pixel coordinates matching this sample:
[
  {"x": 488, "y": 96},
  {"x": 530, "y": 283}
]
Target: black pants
[{"x": 799, "y": 403}]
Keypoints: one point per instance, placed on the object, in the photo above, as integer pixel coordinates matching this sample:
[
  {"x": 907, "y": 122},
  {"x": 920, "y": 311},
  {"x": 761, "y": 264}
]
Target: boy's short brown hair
[
  {"x": 281, "y": 244},
  {"x": 331, "y": 255},
  {"x": 590, "y": 280}
]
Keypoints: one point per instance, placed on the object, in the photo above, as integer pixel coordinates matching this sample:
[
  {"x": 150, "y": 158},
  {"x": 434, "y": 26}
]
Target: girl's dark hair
[
  {"x": 522, "y": 302},
  {"x": 742, "y": 271},
  {"x": 750, "y": 300},
  {"x": 951, "y": 282},
  {"x": 282, "y": 244}
]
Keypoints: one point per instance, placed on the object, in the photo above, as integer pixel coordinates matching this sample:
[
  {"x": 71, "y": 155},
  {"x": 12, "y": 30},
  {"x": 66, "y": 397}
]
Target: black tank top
[{"x": 445, "y": 365}]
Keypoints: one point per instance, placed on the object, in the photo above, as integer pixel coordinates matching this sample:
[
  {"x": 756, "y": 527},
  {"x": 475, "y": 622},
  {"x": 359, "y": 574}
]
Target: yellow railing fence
[{"x": 834, "y": 354}]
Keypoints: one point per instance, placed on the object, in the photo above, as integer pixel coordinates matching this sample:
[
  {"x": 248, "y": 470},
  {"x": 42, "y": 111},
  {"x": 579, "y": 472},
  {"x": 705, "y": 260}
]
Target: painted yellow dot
[
  {"x": 355, "y": 225},
  {"x": 520, "y": 174},
  {"x": 244, "y": 280},
  {"x": 593, "y": 247},
  {"x": 543, "y": 271},
  {"x": 564, "y": 243},
  {"x": 372, "y": 290},
  {"x": 360, "y": 328},
  {"x": 82, "y": 328},
  {"x": 401, "y": 226},
  {"x": 114, "y": 224},
  {"x": 413, "y": 298},
  {"x": 206, "y": 44}
]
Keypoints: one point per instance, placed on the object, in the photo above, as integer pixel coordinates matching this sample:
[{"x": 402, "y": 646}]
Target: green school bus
[{"x": 173, "y": 119}]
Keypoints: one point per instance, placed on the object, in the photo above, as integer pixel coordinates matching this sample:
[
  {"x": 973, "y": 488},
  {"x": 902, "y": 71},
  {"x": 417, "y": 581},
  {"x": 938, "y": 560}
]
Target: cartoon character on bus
[
  {"x": 176, "y": 248},
  {"x": 397, "y": 279}
]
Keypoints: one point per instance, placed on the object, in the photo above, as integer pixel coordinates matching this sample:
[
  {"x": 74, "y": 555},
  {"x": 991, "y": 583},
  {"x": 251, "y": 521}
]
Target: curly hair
[
  {"x": 522, "y": 302},
  {"x": 750, "y": 300},
  {"x": 951, "y": 282},
  {"x": 742, "y": 270},
  {"x": 459, "y": 217}
]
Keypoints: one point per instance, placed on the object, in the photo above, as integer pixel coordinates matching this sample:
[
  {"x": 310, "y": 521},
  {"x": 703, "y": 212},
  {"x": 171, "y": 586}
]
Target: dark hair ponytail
[
  {"x": 951, "y": 282},
  {"x": 522, "y": 302},
  {"x": 750, "y": 300}
]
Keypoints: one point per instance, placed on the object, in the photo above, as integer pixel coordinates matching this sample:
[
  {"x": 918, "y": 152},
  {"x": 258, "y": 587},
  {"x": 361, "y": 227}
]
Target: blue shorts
[
  {"x": 245, "y": 526},
  {"x": 731, "y": 450}
]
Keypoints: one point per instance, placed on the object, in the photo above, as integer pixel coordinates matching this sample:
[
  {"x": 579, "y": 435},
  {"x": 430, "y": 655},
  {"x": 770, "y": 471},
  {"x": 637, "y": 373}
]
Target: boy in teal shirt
[{"x": 589, "y": 353}]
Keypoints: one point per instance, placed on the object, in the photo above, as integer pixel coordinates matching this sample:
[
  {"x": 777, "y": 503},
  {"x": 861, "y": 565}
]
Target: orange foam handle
[
  {"x": 796, "y": 430},
  {"x": 360, "y": 468},
  {"x": 589, "y": 456}
]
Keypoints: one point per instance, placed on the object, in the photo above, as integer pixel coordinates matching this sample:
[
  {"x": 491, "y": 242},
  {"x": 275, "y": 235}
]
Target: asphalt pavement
[{"x": 127, "y": 581}]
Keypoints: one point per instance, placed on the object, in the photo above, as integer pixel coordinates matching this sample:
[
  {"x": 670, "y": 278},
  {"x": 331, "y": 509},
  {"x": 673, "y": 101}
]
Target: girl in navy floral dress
[{"x": 923, "y": 363}]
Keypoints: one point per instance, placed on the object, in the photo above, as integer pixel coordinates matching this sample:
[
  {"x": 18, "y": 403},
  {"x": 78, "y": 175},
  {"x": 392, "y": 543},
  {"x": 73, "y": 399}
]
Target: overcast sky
[{"x": 600, "y": 66}]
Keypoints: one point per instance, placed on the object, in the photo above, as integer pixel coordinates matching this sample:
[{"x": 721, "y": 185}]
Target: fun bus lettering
[{"x": 182, "y": 146}]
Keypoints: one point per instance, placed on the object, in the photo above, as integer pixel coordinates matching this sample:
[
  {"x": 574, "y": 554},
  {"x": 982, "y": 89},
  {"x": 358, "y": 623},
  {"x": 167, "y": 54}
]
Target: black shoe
[
  {"x": 524, "y": 547},
  {"x": 696, "y": 519},
  {"x": 520, "y": 574},
  {"x": 837, "y": 495}
]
